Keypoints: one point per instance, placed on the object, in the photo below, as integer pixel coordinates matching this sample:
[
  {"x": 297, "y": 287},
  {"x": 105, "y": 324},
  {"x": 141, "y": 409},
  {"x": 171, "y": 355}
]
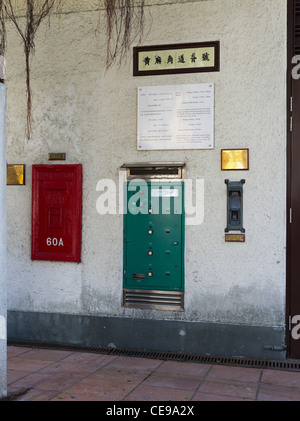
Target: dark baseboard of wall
[{"x": 149, "y": 334}]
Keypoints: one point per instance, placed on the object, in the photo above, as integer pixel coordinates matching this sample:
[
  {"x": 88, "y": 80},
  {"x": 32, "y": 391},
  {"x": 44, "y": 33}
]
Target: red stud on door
[{"x": 56, "y": 212}]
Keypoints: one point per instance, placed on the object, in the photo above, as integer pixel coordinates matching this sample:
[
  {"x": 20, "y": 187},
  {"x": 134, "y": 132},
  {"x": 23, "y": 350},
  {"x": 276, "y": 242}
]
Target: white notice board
[{"x": 176, "y": 117}]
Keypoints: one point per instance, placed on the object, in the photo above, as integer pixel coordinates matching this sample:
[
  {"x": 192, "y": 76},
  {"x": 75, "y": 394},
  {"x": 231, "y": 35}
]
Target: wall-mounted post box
[
  {"x": 56, "y": 212},
  {"x": 235, "y": 205}
]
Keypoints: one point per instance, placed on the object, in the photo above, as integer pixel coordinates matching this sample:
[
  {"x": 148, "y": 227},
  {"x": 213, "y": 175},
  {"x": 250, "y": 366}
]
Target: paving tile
[
  {"x": 47, "y": 381},
  {"x": 283, "y": 378},
  {"x": 37, "y": 395},
  {"x": 152, "y": 393},
  {"x": 76, "y": 397},
  {"x": 13, "y": 391},
  {"x": 211, "y": 397},
  {"x": 45, "y": 375},
  {"x": 88, "y": 358},
  {"x": 229, "y": 388},
  {"x": 234, "y": 373},
  {"x": 173, "y": 381},
  {"x": 119, "y": 374},
  {"x": 14, "y": 375},
  {"x": 18, "y": 363},
  {"x": 188, "y": 369},
  {"x": 270, "y": 392},
  {"x": 96, "y": 390},
  {"x": 69, "y": 369},
  {"x": 46, "y": 355},
  {"x": 13, "y": 351},
  {"x": 77, "y": 368},
  {"x": 132, "y": 363}
]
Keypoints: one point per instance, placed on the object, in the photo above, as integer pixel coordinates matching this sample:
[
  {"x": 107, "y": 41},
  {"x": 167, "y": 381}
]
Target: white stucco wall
[{"x": 90, "y": 113}]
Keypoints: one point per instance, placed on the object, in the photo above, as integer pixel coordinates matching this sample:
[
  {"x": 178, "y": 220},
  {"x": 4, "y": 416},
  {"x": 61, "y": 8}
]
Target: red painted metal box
[{"x": 56, "y": 212}]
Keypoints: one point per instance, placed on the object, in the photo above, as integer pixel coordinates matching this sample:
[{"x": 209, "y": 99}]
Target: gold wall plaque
[
  {"x": 57, "y": 156},
  {"x": 15, "y": 175},
  {"x": 235, "y": 159},
  {"x": 235, "y": 238}
]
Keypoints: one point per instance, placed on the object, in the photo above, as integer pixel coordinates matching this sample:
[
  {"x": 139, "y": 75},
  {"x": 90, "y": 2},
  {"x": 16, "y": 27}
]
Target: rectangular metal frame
[
  {"x": 171, "y": 47},
  {"x": 235, "y": 187},
  {"x": 154, "y": 299},
  {"x": 151, "y": 171}
]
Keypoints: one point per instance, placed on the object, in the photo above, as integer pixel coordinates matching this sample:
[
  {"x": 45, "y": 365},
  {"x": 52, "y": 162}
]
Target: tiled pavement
[{"x": 47, "y": 375}]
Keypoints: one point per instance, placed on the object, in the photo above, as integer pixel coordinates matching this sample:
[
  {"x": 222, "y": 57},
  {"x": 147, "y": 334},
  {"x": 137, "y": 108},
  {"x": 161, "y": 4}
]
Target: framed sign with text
[
  {"x": 176, "y": 58},
  {"x": 176, "y": 117}
]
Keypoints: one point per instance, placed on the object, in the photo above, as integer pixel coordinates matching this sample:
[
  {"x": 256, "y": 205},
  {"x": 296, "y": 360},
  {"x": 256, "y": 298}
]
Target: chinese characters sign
[
  {"x": 176, "y": 117},
  {"x": 178, "y": 58}
]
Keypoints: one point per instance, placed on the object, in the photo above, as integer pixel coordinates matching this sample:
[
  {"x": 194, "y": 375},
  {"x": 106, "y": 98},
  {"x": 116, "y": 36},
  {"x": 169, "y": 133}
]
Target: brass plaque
[
  {"x": 15, "y": 175},
  {"x": 57, "y": 156},
  {"x": 235, "y": 159},
  {"x": 235, "y": 238}
]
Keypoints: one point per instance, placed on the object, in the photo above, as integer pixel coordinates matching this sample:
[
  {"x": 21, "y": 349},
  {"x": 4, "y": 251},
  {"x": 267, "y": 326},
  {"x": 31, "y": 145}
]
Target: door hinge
[
  {"x": 291, "y": 215},
  {"x": 291, "y": 117}
]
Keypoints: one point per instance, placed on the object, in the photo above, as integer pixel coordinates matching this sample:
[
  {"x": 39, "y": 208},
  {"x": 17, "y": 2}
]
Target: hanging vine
[
  {"x": 124, "y": 18},
  {"x": 2, "y": 29},
  {"x": 36, "y": 12},
  {"x": 125, "y": 23},
  {"x": 2, "y": 42}
]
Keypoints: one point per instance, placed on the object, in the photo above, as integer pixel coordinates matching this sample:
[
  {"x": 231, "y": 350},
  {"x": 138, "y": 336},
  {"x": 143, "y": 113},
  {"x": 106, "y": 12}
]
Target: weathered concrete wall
[
  {"x": 3, "y": 301},
  {"x": 71, "y": 6},
  {"x": 90, "y": 113}
]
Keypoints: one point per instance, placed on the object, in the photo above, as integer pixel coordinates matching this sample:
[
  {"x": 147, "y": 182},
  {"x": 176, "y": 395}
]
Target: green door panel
[{"x": 154, "y": 241}]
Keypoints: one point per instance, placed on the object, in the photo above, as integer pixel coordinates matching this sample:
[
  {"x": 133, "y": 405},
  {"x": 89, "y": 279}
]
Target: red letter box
[{"x": 56, "y": 212}]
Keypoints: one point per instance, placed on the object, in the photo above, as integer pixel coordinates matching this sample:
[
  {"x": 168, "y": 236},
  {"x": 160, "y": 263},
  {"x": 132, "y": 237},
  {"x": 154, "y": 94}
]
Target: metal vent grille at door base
[{"x": 153, "y": 300}]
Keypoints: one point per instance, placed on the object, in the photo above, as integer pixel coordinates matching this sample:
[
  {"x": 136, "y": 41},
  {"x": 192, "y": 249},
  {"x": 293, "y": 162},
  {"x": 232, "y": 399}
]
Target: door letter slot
[{"x": 138, "y": 276}]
